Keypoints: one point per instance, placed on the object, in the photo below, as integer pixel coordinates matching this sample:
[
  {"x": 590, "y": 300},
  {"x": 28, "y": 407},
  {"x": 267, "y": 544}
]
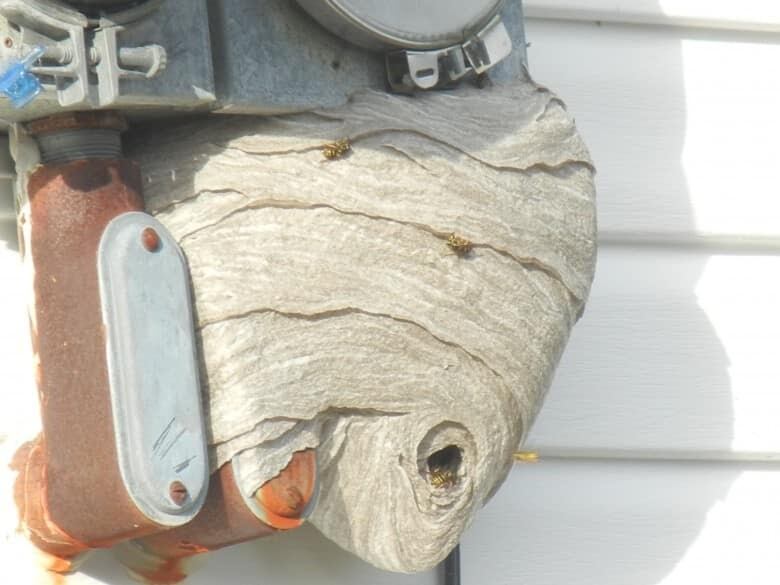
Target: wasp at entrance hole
[{"x": 442, "y": 478}]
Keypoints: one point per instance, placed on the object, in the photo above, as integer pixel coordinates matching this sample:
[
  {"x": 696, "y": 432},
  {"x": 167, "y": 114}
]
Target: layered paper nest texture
[{"x": 333, "y": 314}]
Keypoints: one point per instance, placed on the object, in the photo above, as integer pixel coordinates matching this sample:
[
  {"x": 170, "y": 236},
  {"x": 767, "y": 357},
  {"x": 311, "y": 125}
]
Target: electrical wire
[{"x": 451, "y": 567}]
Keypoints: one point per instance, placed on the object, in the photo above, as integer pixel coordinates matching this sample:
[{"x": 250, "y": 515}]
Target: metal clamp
[
  {"x": 125, "y": 63},
  {"x": 410, "y": 70}
]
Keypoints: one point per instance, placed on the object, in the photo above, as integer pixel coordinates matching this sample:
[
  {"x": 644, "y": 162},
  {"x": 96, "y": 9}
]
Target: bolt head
[
  {"x": 178, "y": 493},
  {"x": 150, "y": 239}
]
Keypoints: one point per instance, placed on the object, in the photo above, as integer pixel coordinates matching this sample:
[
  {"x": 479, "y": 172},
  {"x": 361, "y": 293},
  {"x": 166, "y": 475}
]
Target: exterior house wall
[{"x": 660, "y": 437}]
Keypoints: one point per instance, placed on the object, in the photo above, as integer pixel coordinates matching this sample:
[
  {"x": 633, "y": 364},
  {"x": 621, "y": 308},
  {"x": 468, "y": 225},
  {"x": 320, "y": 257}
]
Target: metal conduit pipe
[{"x": 69, "y": 486}]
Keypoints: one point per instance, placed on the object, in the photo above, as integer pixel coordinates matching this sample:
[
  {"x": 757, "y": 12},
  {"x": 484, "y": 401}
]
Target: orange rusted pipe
[{"x": 70, "y": 491}]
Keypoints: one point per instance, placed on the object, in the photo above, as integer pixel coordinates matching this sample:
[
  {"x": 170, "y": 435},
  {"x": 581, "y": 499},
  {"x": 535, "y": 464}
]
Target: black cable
[{"x": 452, "y": 567}]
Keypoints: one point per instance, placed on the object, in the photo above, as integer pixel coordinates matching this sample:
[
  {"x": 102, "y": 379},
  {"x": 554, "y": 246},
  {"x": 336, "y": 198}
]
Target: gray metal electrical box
[{"x": 155, "y": 57}]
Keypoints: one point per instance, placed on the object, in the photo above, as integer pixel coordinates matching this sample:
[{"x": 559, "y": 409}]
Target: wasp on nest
[
  {"x": 460, "y": 245},
  {"x": 526, "y": 456},
  {"x": 336, "y": 150}
]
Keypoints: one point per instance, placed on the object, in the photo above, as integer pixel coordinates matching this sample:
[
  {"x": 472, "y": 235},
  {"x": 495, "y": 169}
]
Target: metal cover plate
[
  {"x": 409, "y": 24},
  {"x": 152, "y": 367}
]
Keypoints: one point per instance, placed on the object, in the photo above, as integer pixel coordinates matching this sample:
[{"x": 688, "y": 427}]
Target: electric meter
[
  {"x": 406, "y": 24},
  {"x": 429, "y": 44}
]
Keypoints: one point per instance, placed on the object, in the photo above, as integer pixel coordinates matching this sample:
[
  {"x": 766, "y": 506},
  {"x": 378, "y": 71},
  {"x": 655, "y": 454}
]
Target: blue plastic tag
[{"x": 17, "y": 82}]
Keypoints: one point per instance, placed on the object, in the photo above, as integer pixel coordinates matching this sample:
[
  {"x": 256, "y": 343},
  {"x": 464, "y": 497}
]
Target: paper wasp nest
[{"x": 399, "y": 305}]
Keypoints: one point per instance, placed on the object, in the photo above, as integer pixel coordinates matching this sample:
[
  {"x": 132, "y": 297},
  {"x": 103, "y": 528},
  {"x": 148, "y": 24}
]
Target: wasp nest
[{"x": 332, "y": 314}]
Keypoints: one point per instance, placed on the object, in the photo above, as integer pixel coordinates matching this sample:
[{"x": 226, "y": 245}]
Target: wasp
[
  {"x": 442, "y": 477},
  {"x": 526, "y": 456},
  {"x": 461, "y": 246},
  {"x": 336, "y": 149}
]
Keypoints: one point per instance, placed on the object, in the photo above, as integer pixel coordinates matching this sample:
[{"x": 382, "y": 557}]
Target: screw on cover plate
[
  {"x": 150, "y": 239},
  {"x": 178, "y": 492}
]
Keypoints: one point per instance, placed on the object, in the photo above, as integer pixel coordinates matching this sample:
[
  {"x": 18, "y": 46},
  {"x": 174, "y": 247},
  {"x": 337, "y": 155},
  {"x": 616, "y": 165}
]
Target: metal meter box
[{"x": 152, "y": 58}]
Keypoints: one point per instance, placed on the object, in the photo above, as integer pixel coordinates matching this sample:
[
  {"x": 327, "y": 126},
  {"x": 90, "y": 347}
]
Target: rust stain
[
  {"x": 168, "y": 572},
  {"x": 150, "y": 239},
  {"x": 57, "y": 549},
  {"x": 19, "y": 465},
  {"x": 56, "y": 568},
  {"x": 77, "y": 121},
  {"x": 192, "y": 548}
]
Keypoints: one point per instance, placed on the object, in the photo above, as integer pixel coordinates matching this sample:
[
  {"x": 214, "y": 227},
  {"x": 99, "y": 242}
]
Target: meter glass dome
[{"x": 418, "y": 24}]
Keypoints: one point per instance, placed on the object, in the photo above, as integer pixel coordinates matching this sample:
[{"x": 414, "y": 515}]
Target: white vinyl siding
[{"x": 747, "y": 15}]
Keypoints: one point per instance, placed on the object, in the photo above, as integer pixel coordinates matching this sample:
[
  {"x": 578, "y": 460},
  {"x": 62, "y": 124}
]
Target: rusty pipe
[{"x": 69, "y": 490}]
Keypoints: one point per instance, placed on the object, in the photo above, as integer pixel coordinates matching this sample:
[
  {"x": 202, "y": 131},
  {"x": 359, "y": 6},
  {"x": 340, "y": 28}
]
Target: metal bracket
[
  {"x": 125, "y": 63},
  {"x": 152, "y": 367},
  {"x": 410, "y": 70},
  {"x": 82, "y": 60}
]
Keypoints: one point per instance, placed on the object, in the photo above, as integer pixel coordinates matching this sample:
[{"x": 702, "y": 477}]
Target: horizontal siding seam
[
  {"x": 633, "y": 12},
  {"x": 760, "y": 460},
  {"x": 685, "y": 242}
]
